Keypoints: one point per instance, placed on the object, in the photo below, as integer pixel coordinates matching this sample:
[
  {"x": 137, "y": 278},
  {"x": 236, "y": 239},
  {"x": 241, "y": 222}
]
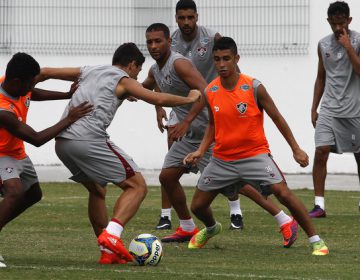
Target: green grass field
[{"x": 54, "y": 240}]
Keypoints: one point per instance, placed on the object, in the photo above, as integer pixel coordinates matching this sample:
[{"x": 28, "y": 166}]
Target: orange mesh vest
[
  {"x": 10, "y": 145},
  {"x": 239, "y": 130}
]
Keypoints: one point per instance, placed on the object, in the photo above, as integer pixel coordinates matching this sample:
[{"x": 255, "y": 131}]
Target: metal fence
[{"x": 97, "y": 27}]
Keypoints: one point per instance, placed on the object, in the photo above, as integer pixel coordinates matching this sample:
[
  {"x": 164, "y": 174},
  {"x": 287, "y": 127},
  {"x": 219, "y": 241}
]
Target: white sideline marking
[{"x": 167, "y": 272}]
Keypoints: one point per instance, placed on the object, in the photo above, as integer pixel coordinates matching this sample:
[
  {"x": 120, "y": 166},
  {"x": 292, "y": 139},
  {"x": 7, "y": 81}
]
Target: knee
[
  {"x": 321, "y": 154},
  {"x": 142, "y": 190},
  {"x": 37, "y": 195},
  {"x": 163, "y": 178}
]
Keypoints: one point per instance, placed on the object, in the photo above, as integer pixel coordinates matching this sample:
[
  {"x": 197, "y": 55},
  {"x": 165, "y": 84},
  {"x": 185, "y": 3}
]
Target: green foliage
[{"x": 54, "y": 240}]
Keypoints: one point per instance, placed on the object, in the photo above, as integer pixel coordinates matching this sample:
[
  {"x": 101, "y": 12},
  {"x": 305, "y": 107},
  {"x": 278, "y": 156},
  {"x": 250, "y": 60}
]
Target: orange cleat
[{"x": 114, "y": 244}]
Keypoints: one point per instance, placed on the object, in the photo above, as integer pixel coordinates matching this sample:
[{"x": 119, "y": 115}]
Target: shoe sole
[{"x": 233, "y": 227}]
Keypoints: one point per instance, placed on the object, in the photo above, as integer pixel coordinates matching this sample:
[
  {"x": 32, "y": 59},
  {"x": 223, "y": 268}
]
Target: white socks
[
  {"x": 187, "y": 225},
  {"x": 314, "y": 238},
  {"x": 320, "y": 200},
  {"x": 235, "y": 207},
  {"x": 282, "y": 218},
  {"x": 114, "y": 228},
  {"x": 166, "y": 212}
]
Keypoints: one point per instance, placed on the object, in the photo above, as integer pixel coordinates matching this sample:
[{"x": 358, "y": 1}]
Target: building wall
[{"x": 289, "y": 80}]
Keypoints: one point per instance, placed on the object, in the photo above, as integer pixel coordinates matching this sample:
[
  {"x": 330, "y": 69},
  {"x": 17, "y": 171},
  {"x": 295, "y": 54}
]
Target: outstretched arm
[
  {"x": 130, "y": 87},
  {"x": 9, "y": 121},
  {"x": 43, "y": 94},
  {"x": 270, "y": 108},
  {"x": 318, "y": 89},
  {"x": 66, "y": 74}
]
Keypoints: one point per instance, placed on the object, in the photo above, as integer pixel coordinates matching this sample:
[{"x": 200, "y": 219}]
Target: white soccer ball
[{"x": 146, "y": 249}]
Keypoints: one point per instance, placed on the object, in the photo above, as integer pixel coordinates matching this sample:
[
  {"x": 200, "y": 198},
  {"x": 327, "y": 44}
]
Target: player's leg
[
  {"x": 299, "y": 212},
  {"x": 165, "y": 216},
  {"x": 200, "y": 206},
  {"x": 97, "y": 210},
  {"x": 126, "y": 206},
  {"x": 319, "y": 173},
  {"x": 169, "y": 179},
  {"x": 29, "y": 198},
  {"x": 288, "y": 226},
  {"x": 357, "y": 158}
]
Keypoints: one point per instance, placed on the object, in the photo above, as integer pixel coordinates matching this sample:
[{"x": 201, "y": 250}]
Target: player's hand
[
  {"x": 178, "y": 131},
  {"x": 314, "y": 117},
  {"x": 74, "y": 86},
  {"x": 301, "y": 157},
  {"x": 160, "y": 116},
  {"x": 80, "y": 111},
  {"x": 344, "y": 39},
  {"x": 194, "y": 95},
  {"x": 193, "y": 158}
]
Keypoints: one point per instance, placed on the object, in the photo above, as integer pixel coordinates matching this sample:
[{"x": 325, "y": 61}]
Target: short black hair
[
  {"x": 127, "y": 53},
  {"x": 338, "y": 8},
  {"x": 186, "y": 4},
  {"x": 225, "y": 43},
  {"x": 159, "y": 27},
  {"x": 22, "y": 66}
]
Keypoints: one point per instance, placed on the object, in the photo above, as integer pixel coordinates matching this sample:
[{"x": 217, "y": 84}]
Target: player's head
[
  {"x": 226, "y": 57},
  {"x": 130, "y": 58},
  {"x": 20, "y": 74},
  {"x": 186, "y": 16},
  {"x": 339, "y": 17},
  {"x": 158, "y": 41}
]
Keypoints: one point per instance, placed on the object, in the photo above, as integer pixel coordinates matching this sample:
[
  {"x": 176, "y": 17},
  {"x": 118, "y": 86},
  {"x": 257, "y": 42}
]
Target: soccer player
[
  {"x": 19, "y": 184},
  {"x": 174, "y": 73},
  {"x": 93, "y": 160},
  {"x": 194, "y": 42},
  {"x": 337, "y": 125},
  {"x": 241, "y": 154}
]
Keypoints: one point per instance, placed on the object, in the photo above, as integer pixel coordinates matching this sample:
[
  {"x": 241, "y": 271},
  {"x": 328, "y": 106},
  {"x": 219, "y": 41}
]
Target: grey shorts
[
  {"x": 179, "y": 150},
  {"x": 342, "y": 134},
  {"x": 101, "y": 162},
  {"x": 228, "y": 177},
  {"x": 23, "y": 169}
]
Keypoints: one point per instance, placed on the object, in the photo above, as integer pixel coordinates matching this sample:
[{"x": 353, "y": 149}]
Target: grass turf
[{"x": 54, "y": 240}]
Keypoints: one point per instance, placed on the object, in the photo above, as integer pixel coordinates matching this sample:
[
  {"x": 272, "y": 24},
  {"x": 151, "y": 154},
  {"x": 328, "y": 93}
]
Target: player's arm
[
  {"x": 150, "y": 84},
  {"x": 9, "y": 121},
  {"x": 266, "y": 102},
  {"x": 129, "y": 87},
  {"x": 66, "y": 74},
  {"x": 192, "y": 77},
  {"x": 43, "y": 94},
  {"x": 318, "y": 88},
  {"x": 207, "y": 140},
  {"x": 344, "y": 40}
]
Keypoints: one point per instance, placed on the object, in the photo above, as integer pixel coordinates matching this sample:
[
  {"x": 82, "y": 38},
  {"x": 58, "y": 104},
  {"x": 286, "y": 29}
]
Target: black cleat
[
  {"x": 236, "y": 222},
  {"x": 164, "y": 223}
]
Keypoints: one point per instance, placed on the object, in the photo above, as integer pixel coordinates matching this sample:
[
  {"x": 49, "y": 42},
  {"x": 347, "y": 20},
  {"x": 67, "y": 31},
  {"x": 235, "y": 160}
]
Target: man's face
[
  {"x": 225, "y": 62},
  {"x": 338, "y": 24},
  {"x": 157, "y": 44},
  {"x": 134, "y": 71},
  {"x": 186, "y": 20}
]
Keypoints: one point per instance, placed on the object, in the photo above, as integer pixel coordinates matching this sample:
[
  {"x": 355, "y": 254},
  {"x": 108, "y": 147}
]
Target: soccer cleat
[
  {"x": 320, "y": 248},
  {"x": 201, "y": 238},
  {"x": 164, "y": 223},
  {"x": 236, "y": 222},
  {"x": 114, "y": 244},
  {"x": 289, "y": 231},
  {"x": 2, "y": 263},
  {"x": 110, "y": 258},
  {"x": 180, "y": 235},
  {"x": 317, "y": 212}
]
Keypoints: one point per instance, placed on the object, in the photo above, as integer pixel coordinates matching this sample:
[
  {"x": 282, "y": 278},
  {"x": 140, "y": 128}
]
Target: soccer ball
[{"x": 146, "y": 249}]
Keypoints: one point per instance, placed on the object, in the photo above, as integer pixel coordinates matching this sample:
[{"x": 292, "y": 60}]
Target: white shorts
[
  {"x": 100, "y": 161},
  {"x": 228, "y": 177},
  {"x": 23, "y": 169}
]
